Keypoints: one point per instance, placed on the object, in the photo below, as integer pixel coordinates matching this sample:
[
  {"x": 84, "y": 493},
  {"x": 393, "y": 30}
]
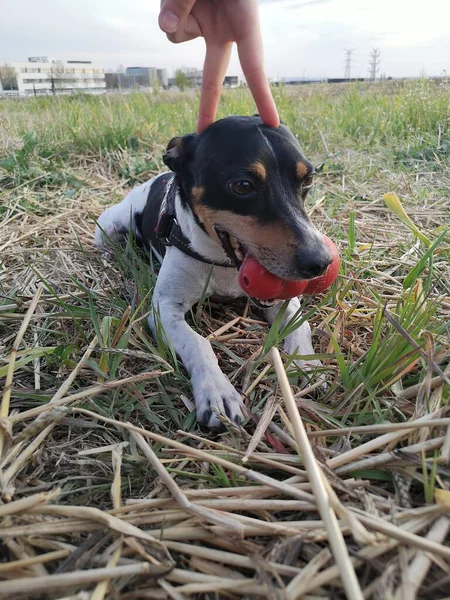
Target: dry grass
[{"x": 109, "y": 490}]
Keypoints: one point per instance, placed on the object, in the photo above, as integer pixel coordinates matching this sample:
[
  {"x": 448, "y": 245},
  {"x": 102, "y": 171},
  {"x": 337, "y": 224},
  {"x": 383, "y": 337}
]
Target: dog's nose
[{"x": 312, "y": 261}]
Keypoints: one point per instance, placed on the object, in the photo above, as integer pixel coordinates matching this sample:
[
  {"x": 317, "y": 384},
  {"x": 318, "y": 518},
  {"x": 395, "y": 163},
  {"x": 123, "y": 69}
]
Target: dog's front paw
[{"x": 215, "y": 395}]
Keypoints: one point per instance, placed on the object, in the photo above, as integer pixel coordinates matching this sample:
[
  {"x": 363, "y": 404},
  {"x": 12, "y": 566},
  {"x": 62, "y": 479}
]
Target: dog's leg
[
  {"x": 298, "y": 342},
  {"x": 179, "y": 285},
  {"x": 115, "y": 222}
]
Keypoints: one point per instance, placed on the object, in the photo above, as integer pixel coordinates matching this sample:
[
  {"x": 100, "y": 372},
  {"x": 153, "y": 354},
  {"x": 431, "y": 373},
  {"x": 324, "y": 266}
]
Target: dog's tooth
[
  {"x": 266, "y": 302},
  {"x": 234, "y": 242},
  {"x": 239, "y": 255}
]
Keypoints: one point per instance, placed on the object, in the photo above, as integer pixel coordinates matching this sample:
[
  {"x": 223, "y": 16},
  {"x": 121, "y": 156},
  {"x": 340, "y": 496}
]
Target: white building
[{"x": 42, "y": 75}]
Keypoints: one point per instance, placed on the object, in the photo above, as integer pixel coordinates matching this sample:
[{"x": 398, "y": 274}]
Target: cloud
[
  {"x": 296, "y": 41},
  {"x": 306, "y": 4},
  {"x": 54, "y": 28},
  {"x": 296, "y": 3}
]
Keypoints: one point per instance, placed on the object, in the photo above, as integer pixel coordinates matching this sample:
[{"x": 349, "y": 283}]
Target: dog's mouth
[
  {"x": 263, "y": 303},
  {"x": 233, "y": 248},
  {"x": 236, "y": 252}
]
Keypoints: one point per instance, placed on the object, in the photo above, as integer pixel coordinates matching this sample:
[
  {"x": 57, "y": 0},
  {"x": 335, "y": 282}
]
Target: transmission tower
[
  {"x": 374, "y": 63},
  {"x": 348, "y": 64}
]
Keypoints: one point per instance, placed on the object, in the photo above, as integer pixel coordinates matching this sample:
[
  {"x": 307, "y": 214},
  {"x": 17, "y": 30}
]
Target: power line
[
  {"x": 374, "y": 63},
  {"x": 348, "y": 63}
]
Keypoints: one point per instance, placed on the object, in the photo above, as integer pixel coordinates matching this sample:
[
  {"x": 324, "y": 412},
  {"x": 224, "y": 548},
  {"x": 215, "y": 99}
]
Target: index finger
[
  {"x": 172, "y": 13},
  {"x": 214, "y": 69},
  {"x": 251, "y": 56}
]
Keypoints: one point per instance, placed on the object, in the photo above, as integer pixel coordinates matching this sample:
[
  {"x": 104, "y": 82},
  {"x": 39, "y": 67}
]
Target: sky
[{"x": 302, "y": 38}]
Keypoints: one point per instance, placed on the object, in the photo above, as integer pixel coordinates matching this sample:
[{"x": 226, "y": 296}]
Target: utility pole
[
  {"x": 348, "y": 64},
  {"x": 374, "y": 64}
]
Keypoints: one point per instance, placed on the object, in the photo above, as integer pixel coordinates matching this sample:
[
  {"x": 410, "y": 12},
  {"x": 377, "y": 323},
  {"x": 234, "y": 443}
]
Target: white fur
[
  {"x": 181, "y": 282},
  {"x": 117, "y": 218}
]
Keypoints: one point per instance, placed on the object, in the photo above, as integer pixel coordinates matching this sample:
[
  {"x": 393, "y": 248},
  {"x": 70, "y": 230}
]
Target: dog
[{"x": 238, "y": 187}]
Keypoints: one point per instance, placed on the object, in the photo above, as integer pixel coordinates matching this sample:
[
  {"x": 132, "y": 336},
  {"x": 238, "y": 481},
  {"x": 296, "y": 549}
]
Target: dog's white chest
[{"x": 224, "y": 283}]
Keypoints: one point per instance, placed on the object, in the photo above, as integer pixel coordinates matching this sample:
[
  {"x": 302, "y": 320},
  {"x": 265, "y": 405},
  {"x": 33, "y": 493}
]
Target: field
[{"x": 108, "y": 487}]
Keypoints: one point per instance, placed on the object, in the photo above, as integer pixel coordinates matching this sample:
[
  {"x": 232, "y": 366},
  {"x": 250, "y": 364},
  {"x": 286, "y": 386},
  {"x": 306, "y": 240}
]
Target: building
[
  {"x": 345, "y": 79},
  {"x": 149, "y": 74},
  {"x": 231, "y": 81},
  {"x": 42, "y": 75},
  {"x": 193, "y": 78},
  {"x": 137, "y": 77},
  {"x": 306, "y": 80},
  {"x": 146, "y": 74},
  {"x": 297, "y": 81}
]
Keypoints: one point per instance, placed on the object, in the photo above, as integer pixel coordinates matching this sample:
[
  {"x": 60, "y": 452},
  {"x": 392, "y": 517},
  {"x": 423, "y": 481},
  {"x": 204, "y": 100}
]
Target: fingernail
[{"x": 168, "y": 21}]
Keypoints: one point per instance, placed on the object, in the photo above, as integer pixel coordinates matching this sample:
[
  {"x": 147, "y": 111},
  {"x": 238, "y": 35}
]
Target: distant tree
[
  {"x": 180, "y": 80},
  {"x": 57, "y": 76},
  {"x": 8, "y": 77}
]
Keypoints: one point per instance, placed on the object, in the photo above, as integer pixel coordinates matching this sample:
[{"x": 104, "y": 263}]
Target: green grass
[
  {"x": 380, "y": 330},
  {"x": 413, "y": 121}
]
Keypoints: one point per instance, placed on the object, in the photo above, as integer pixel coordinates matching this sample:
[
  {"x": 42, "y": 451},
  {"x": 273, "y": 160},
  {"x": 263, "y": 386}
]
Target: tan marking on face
[
  {"x": 276, "y": 236},
  {"x": 206, "y": 216},
  {"x": 301, "y": 170},
  {"x": 197, "y": 193},
  {"x": 259, "y": 170}
]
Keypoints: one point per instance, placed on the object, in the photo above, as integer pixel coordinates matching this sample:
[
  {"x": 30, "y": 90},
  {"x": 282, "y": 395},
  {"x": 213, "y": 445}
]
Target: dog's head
[{"x": 246, "y": 183}]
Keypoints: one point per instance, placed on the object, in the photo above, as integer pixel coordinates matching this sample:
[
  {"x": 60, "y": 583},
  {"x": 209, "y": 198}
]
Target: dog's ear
[{"x": 178, "y": 150}]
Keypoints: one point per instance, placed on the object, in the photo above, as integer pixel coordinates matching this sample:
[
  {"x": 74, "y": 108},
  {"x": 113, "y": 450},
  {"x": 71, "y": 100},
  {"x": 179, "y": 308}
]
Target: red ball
[
  {"x": 324, "y": 281},
  {"x": 256, "y": 281},
  {"x": 292, "y": 289}
]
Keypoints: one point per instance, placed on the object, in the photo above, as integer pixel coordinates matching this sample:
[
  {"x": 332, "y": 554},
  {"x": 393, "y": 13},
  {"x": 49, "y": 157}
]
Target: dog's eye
[
  {"x": 242, "y": 188},
  {"x": 306, "y": 186}
]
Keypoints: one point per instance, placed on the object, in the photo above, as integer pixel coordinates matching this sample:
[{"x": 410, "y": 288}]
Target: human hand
[{"x": 221, "y": 23}]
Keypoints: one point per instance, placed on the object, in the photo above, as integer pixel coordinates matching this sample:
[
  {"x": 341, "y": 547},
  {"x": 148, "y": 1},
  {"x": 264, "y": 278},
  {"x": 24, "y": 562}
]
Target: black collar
[{"x": 169, "y": 233}]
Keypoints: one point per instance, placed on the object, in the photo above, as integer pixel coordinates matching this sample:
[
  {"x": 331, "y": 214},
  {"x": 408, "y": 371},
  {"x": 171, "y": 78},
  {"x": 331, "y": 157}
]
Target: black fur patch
[{"x": 147, "y": 220}]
